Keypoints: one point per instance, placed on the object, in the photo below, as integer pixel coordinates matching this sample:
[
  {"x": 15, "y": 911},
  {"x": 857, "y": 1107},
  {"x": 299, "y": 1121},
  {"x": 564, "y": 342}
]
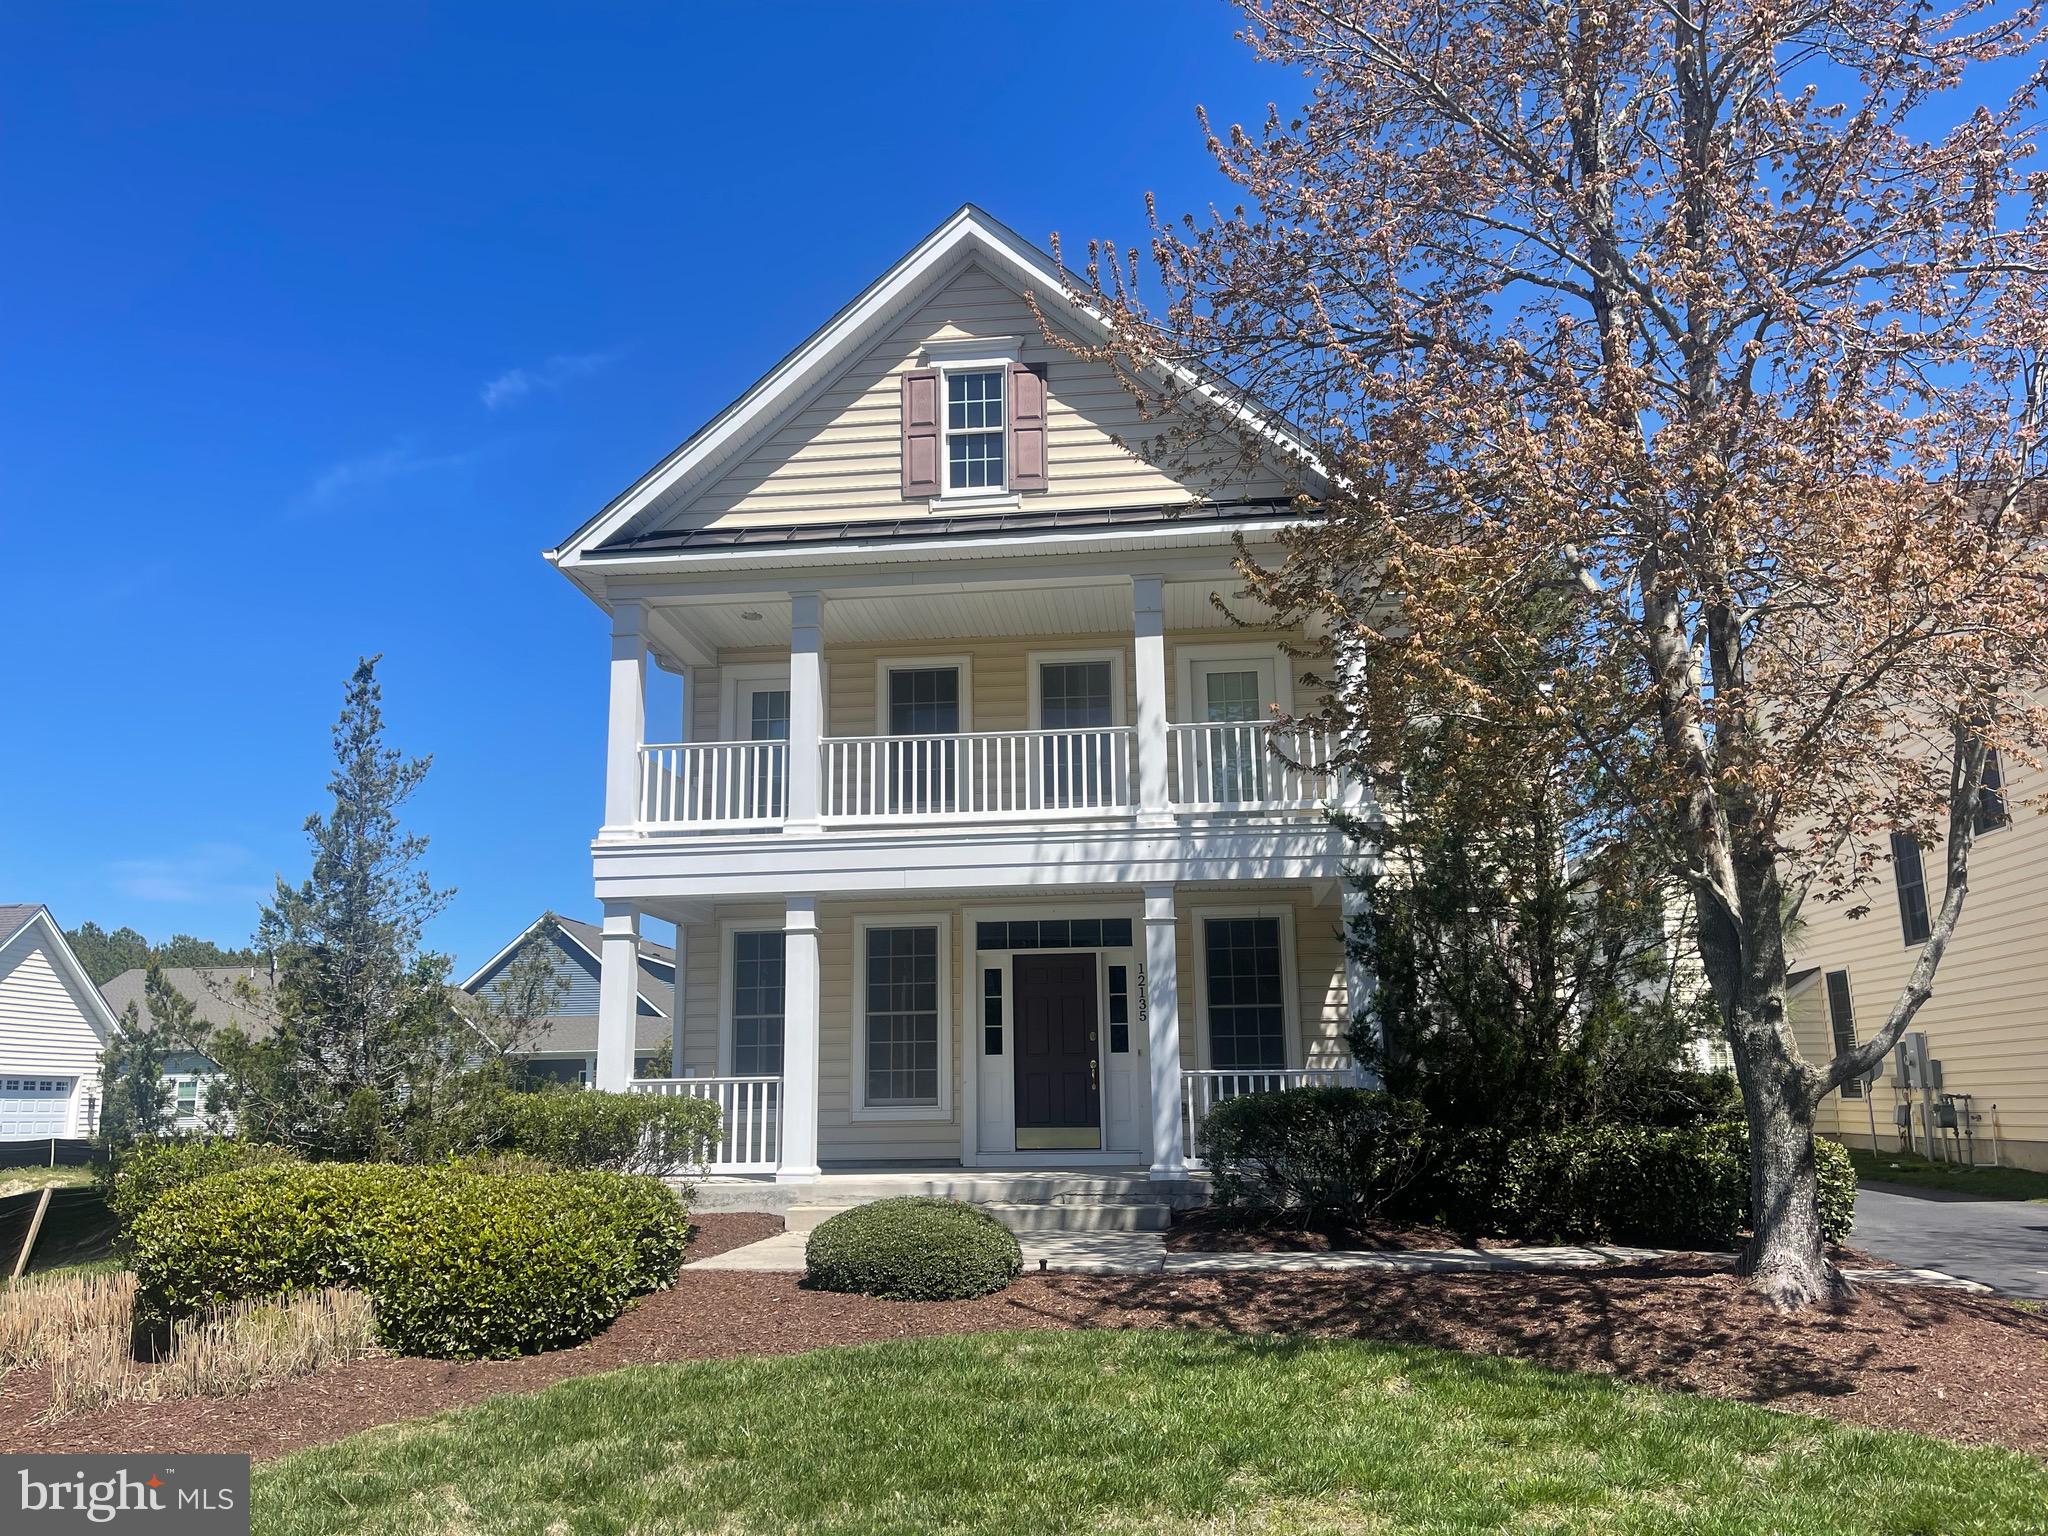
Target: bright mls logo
[{"x": 165, "y": 1496}]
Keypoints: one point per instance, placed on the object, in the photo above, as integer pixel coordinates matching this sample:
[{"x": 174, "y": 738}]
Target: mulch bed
[
  {"x": 1964, "y": 1368},
  {"x": 1212, "y": 1230}
]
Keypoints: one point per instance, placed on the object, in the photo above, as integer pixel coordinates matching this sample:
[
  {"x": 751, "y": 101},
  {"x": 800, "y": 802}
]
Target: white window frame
[
  {"x": 1036, "y": 661},
  {"x": 1187, "y": 705},
  {"x": 974, "y": 354},
  {"x": 1293, "y": 1056},
  {"x": 884, "y": 665},
  {"x": 727, "y": 929},
  {"x": 861, "y": 1109},
  {"x": 745, "y": 677}
]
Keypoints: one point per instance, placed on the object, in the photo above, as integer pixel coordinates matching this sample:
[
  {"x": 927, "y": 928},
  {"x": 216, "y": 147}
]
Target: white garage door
[{"x": 35, "y": 1106}]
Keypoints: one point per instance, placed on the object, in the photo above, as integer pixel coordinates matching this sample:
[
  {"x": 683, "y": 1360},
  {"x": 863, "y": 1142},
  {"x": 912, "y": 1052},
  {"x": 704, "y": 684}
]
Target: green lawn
[
  {"x": 1155, "y": 1433},
  {"x": 1920, "y": 1173},
  {"x": 15, "y": 1180}
]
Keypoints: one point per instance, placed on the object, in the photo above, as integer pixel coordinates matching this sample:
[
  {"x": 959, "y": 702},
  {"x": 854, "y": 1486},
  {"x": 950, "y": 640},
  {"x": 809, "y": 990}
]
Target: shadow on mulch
[{"x": 1964, "y": 1368}]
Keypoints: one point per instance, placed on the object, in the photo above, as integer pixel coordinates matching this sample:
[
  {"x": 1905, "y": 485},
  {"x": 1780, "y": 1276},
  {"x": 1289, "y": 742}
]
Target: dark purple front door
[{"x": 1059, "y": 1102}]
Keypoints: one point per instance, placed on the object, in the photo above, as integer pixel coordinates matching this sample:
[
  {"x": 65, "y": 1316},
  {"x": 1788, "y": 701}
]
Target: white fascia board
[
  {"x": 99, "y": 1012},
  {"x": 911, "y": 550},
  {"x": 759, "y": 410},
  {"x": 987, "y": 859},
  {"x": 562, "y": 932}
]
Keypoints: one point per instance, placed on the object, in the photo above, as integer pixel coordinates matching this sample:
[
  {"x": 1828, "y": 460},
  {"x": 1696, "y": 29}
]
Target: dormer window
[{"x": 975, "y": 429}]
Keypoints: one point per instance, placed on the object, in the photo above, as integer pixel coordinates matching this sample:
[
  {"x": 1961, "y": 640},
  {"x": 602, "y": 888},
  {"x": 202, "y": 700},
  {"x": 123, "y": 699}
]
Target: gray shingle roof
[
  {"x": 14, "y": 917},
  {"x": 215, "y": 992}
]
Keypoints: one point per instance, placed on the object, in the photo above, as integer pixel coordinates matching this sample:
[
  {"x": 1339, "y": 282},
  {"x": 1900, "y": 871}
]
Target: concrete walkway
[
  {"x": 1144, "y": 1253},
  {"x": 2002, "y": 1244}
]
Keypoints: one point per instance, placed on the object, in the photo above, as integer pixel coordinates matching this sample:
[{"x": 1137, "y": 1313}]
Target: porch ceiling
[{"x": 1049, "y": 609}]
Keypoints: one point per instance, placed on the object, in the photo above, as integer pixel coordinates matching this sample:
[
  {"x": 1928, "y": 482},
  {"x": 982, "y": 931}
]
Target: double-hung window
[
  {"x": 1246, "y": 993},
  {"x": 1074, "y": 697},
  {"x": 975, "y": 430},
  {"x": 1911, "y": 877},
  {"x": 901, "y": 1015},
  {"x": 757, "y": 1000},
  {"x": 923, "y": 704}
]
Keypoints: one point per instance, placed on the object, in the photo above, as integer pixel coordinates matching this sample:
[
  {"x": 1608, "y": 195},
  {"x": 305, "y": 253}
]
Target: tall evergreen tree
[
  {"x": 139, "y": 1102},
  {"x": 362, "y": 1021}
]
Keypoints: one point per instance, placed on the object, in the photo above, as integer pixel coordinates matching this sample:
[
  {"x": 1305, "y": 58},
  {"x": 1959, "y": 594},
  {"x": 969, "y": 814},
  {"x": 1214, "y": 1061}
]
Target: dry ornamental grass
[{"x": 82, "y": 1328}]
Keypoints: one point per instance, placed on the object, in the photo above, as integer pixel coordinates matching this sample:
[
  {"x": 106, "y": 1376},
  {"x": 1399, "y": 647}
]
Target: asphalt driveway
[{"x": 1999, "y": 1243}]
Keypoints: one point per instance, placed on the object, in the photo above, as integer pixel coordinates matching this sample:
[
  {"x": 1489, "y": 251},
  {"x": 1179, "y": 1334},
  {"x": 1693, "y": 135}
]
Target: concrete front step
[
  {"x": 1033, "y": 1216},
  {"x": 976, "y": 1187}
]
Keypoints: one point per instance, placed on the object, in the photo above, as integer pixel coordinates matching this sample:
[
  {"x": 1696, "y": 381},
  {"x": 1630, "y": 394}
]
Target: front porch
[{"x": 978, "y": 1035}]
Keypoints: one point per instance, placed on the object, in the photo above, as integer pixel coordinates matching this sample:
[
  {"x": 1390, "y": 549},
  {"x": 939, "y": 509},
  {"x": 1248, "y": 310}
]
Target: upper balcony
[{"x": 961, "y": 778}]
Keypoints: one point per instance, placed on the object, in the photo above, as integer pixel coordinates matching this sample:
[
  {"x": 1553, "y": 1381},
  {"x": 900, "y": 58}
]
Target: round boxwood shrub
[
  {"x": 457, "y": 1263},
  {"x": 913, "y": 1249}
]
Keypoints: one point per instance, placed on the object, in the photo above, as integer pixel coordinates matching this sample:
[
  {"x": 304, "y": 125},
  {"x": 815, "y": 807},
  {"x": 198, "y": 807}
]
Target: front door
[{"x": 1059, "y": 1099}]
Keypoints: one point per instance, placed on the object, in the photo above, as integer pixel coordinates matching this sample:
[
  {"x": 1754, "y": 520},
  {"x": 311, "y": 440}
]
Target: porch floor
[{"x": 861, "y": 1184}]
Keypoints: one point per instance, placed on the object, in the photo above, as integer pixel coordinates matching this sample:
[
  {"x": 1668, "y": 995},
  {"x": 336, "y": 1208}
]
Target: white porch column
[
  {"x": 799, "y": 1113},
  {"x": 675, "y": 1008},
  {"x": 806, "y": 708},
  {"x": 618, "y": 995},
  {"x": 628, "y": 716},
  {"x": 1162, "y": 1012},
  {"x": 1148, "y": 598}
]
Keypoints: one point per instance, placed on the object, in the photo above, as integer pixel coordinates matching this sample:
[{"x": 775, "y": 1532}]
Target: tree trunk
[{"x": 1786, "y": 1258}]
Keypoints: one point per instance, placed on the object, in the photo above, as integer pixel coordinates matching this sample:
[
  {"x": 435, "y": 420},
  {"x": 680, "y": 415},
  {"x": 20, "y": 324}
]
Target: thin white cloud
[
  {"x": 371, "y": 471},
  {"x": 515, "y": 384},
  {"x": 201, "y": 875}
]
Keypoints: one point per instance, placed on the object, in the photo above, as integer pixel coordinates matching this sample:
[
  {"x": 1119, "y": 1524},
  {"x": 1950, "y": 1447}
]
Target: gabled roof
[
  {"x": 17, "y": 918},
  {"x": 214, "y": 991},
  {"x": 969, "y": 232},
  {"x": 657, "y": 961}
]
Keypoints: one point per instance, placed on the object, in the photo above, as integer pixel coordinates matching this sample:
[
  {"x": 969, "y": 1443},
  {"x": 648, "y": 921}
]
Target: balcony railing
[
  {"x": 1200, "y": 1092},
  {"x": 715, "y": 783},
  {"x": 974, "y": 776},
  {"x": 749, "y": 1117},
  {"x": 1240, "y": 765},
  {"x": 979, "y": 775}
]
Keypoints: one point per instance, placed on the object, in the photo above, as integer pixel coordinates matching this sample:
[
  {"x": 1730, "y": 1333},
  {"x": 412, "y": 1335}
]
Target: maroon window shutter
[
  {"x": 1027, "y": 427},
  {"x": 921, "y": 433}
]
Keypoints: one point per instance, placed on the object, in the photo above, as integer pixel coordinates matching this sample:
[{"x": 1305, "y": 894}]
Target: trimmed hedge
[
  {"x": 142, "y": 1174},
  {"x": 913, "y": 1249},
  {"x": 458, "y": 1264},
  {"x": 1335, "y": 1154},
  {"x": 1342, "y": 1153},
  {"x": 574, "y": 1128}
]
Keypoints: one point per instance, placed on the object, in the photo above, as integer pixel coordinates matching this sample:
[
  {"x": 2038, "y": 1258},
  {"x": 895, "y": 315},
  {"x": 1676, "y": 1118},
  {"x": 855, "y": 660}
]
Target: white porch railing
[
  {"x": 979, "y": 775},
  {"x": 749, "y": 1117},
  {"x": 1247, "y": 765},
  {"x": 1201, "y": 1092},
  {"x": 715, "y": 783}
]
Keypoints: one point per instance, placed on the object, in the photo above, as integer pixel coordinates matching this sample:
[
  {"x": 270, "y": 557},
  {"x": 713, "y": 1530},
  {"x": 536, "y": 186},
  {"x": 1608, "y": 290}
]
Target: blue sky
[{"x": 315, "y": 329}]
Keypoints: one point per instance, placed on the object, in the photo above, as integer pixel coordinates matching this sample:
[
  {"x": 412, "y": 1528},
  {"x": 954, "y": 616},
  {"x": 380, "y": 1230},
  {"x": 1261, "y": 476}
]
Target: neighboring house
[
  {"x": 565, "y": 1049},
  {"x": 53, "y": 1027},
  {"x": 971, "y": 830},
  {"x": 1987, "y": 1022},
  {"x": 223, "y": 997}
]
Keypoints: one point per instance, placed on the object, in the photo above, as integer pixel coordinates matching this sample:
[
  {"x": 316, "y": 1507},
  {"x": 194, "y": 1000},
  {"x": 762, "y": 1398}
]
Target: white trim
[
  {"x": 735, "y": 676},
  {"x": 595, "y": 959},
  {"x": 944, "y": 352},
  {"x": 951, "y": 498},
  {"x": 1034, "y": 686},
  {"x": 728, "y": 927},
  {"x": 884, "y": 665},
  {"x": 969, "y": 232},
  {"x": 1293, "y": 1055},
  {"x": 1266, "y": 653},
  {"x": 859, "y": 1109}
]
